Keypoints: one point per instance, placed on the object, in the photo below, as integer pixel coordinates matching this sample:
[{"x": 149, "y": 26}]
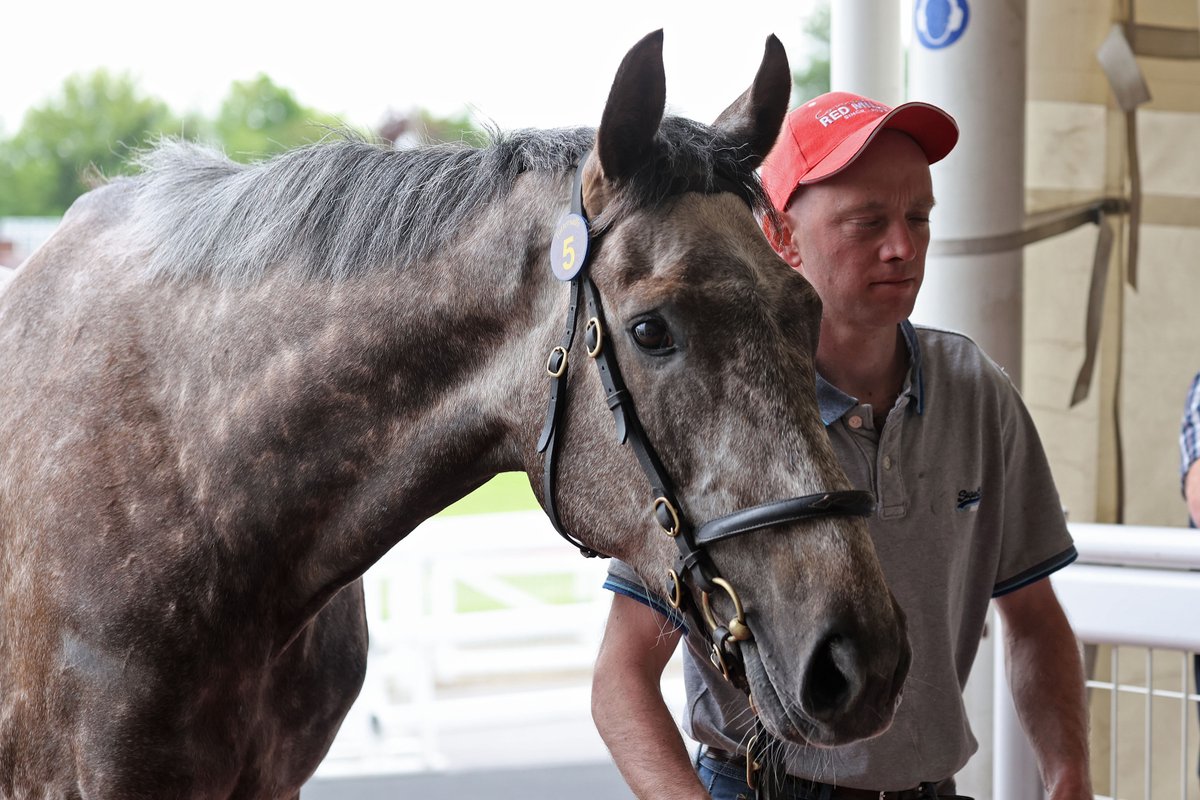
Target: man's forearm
[
  {"x": 1191, "y": 488},
  {"x": 628, "y": 706},
  {"x": 1047, "y": 680},
  {"x": 645, "y": 743}
]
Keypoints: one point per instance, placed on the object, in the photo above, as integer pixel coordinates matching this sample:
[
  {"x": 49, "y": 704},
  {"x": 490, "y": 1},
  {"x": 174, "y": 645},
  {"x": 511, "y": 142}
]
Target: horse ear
[
  {"x": 756, "y": 117},
  {"x": 634, "y": 109}
]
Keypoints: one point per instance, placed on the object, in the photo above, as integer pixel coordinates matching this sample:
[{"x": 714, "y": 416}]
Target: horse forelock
[
  {"x": 688, "y": 156},
  {"x": 343, "y": 207}
]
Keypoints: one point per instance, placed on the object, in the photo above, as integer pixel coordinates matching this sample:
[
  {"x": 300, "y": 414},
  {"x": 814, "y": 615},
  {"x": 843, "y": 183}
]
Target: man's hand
[{"x": 1075, "y": 791}]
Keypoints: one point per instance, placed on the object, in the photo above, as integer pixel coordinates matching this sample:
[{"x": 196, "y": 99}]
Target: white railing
[
  {"x": 475, "y": 621},
  {"x": 27, "y": 233},
  {"x": 1138, "y": 587},
  {"x": 435, "y": 668}
]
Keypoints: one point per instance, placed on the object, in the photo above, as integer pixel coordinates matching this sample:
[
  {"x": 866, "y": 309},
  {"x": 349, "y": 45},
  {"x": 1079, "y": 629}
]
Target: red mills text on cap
[{"x": 845, "y": 111}]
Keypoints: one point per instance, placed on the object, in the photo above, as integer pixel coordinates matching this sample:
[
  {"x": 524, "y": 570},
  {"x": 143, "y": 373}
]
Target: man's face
[{"x": 860, "y": 237}]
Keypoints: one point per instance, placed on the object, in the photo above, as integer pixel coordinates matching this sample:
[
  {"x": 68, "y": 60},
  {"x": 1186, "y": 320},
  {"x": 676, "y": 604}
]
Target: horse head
[{"x": 715, "y": 339}]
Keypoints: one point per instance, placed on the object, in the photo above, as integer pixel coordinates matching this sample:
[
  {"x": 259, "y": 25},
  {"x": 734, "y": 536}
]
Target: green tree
[
  {"x": 99, "y": 120},
  {"x": 813, "y": 78},
  {"x": 419, "y": 126},
  {"x": 259, "y": 118},
  {"x": 95, "y": 122}
]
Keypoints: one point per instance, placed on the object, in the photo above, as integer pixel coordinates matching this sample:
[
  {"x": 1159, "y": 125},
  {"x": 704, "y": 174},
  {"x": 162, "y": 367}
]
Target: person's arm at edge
[
  {"x": 628, "y": 707},
  {"x": 1189, "y": 451},
  {"x": 1192, "y": 491},
  {"x": 1046, "y": 675}
]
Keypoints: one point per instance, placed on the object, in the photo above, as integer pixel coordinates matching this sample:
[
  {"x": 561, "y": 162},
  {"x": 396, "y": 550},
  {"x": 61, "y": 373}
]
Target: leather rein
[{"x": 693, "y": 567}]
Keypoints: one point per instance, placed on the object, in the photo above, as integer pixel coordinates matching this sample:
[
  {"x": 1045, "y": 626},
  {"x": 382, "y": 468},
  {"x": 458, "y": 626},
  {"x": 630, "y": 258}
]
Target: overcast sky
[{"x": 518, "y": 64}]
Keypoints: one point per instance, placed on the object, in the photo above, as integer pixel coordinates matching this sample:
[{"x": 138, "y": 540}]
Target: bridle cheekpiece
[{"x": 568, "y": 256}]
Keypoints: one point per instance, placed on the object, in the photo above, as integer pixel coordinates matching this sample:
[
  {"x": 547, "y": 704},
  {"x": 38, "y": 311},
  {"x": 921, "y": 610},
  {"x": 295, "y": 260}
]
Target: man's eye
[
  {"x": 652, "y": 334},
  {"x": 868, "y": 223}
]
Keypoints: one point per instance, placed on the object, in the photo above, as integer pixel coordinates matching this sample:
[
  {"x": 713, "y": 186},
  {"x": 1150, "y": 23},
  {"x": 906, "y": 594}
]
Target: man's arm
[
  {"x": 628, "y": 706},
  {"x": 1189, "y": 451},
  {"x": 1191, "y": 490},
  {"x": 1046, "y": 676}
]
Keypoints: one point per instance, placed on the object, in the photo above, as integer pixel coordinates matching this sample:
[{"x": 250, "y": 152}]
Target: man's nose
[{"x": 900, "y": 243}]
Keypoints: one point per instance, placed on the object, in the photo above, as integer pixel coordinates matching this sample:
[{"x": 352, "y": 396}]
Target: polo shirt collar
[{"x": 833, "y": 402}]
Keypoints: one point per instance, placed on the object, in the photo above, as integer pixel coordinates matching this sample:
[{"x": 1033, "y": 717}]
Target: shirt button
[
  {"x": 855, "y": 422},
  {"x": 887, "y": 462}
]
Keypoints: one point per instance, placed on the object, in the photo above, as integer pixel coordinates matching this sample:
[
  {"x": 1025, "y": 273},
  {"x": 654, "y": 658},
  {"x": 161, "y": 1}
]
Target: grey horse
[{"x": 228, "y": 390}]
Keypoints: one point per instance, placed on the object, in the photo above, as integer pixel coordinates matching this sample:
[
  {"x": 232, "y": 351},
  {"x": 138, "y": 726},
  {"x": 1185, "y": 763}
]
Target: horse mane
[{"x": 342, "y": 207}]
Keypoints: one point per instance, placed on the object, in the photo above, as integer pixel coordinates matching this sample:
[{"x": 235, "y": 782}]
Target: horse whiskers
[
  {"x": 915, "y": 680},
  {"x": 666, "y": 626}
]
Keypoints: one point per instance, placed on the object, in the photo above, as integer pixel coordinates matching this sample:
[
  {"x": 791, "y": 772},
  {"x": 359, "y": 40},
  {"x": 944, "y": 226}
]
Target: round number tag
[{"x": 568, "y": 250}]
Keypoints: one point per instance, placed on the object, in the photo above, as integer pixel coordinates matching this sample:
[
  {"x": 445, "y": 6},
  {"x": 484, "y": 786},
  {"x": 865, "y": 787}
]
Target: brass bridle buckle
[
  {"x": 752, "y": 765},
  {"x": 665, "y": 504},
  {"x": 717, "y": 657},
  {"x": 676, "y": 598},
  {"x": 739, "y": 631},
  {"x": 594, "y": 336},
  {"x": 562, "y": 364}
]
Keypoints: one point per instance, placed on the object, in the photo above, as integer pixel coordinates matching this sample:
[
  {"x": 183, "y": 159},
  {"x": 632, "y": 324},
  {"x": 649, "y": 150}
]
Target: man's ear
[{"x": 786, "y": 244}]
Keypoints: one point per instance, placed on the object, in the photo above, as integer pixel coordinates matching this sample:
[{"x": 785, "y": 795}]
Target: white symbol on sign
[{"x": 940, "y": 22}]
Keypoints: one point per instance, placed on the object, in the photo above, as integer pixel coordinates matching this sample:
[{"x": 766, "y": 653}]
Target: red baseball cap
[{"x": 824, "y": 136}]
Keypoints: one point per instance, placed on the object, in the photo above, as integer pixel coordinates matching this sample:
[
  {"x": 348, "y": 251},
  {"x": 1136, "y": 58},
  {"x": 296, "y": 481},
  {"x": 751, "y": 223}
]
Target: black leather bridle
[{"x": 569, "y": 253}]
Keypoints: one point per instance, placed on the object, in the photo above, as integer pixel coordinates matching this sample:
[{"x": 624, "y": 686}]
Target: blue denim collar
[{"x": 833, "y": 402}]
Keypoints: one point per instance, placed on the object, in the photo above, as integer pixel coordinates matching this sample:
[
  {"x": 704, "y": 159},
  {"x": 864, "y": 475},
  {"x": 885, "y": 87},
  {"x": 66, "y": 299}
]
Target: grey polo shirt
[{"x": 966, "y": 510}]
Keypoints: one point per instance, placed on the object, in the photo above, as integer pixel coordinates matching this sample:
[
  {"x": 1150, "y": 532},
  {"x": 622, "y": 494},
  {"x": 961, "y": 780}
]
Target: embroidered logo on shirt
[{"x": 969, "y": 500}]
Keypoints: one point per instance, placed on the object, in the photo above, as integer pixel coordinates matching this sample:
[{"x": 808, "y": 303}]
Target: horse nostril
[
  {"x": 851, "y": 685},
  {"x": 829, "y": 688}
]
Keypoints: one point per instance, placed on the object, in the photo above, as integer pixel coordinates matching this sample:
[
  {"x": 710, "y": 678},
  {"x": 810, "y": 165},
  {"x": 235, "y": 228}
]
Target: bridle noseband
[{"x": 568, "y": 256}]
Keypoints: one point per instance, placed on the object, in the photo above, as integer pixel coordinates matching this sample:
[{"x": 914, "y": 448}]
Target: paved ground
[
  {"x": 530, "y": 745},
  {"x": 589, "y": 781},
  {"x": 539, "y": 759}
]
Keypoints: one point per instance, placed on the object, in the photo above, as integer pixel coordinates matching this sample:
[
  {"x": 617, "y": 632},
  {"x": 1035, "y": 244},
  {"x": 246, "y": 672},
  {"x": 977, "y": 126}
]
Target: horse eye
[{"x": 652, "y": 334}]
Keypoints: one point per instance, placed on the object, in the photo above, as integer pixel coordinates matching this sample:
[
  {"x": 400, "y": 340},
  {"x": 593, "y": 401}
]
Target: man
[
  {"x": 1189, "y": 453},
  {"x": 966, "y": 508},
  {"x": 1189, "y": 474}
]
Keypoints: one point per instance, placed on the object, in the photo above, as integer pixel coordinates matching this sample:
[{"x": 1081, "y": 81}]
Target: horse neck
[{"x": 351, "y": 411}]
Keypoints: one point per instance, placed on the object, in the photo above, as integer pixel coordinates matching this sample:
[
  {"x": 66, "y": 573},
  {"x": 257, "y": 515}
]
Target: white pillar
[
  {"x": 865, "y": 56},
  {"x": 968, "y": 56}
]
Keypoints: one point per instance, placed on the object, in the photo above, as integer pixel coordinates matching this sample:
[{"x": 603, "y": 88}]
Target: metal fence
[
  {"x": 20, "y": 236},
  {"x": 478, "y": 622},
  {"x": 1134, "y": 599}
]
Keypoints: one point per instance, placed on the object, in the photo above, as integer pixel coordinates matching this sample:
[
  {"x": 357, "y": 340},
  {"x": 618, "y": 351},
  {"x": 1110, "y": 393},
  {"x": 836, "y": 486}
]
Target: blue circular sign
[
  {"x": 940, "y": 23},
  {"x": 568, "y": 251}
]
